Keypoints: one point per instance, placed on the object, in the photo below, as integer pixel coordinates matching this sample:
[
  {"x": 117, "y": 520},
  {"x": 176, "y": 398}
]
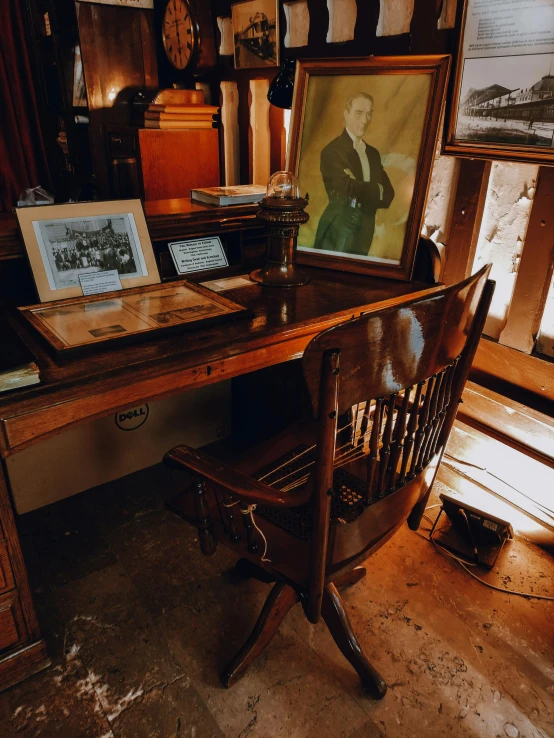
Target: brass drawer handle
[{"x": 228, "y": 223}]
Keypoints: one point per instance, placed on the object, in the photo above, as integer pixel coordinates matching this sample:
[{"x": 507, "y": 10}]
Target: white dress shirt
[{"x": 359, "y": 148}]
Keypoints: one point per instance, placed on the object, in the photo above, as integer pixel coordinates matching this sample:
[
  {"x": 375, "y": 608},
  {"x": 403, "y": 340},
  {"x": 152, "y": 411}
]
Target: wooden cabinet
[
  {"x": 22, "y": 651},
  {"x": 12, "y": 623},
  {"x": 162, "y": 164},
  {"x": 6, "y": 574},
  {"x": 172, "y": 162}
]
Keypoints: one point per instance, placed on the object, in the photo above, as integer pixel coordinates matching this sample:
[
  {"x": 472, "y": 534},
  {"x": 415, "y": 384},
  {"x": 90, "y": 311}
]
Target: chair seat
[{"x": 347, "y": 501}]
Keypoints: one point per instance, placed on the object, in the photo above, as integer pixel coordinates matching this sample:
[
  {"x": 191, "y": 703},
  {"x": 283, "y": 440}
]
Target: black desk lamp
[{"x": 281, "y": 88}]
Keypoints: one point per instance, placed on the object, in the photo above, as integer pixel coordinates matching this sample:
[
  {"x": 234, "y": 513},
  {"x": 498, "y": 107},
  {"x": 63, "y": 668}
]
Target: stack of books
[
  {"x": 180, "y": 116},
  {"x": 17, "y": 361},
  {"x": 236, "y": 195}
]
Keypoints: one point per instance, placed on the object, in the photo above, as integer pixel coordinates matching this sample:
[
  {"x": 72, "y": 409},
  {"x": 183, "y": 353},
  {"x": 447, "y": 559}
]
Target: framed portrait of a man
[{"x": 362, "y": 142}]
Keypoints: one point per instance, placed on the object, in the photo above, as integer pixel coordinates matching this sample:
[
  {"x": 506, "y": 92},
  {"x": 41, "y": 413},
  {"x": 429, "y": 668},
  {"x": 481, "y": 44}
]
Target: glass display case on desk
[{"x": 243, "y": 236}]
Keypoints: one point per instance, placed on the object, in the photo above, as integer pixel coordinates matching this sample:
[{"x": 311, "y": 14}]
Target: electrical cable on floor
[{"x": 464, "y": 565}]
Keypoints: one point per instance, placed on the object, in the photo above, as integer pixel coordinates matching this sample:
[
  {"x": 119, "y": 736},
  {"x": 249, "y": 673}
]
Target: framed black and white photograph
[
  {"x": 85, "y": 323},
  {"x": 256, "y": 33},
  {"x": 66, "y": 241},
  {"x": 363, "y": 136},
  {"x": 502, "y": 104}
]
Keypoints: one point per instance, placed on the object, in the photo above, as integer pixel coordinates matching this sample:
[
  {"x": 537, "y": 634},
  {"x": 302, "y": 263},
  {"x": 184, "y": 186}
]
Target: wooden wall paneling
[
  {"x": 297, "y": 15},
  {"x": 259, "y": 135},
  {"x": 342, "y": 20},
  {"x": 425, "y": 35},
  {"x": 395, "y": 17},
  {"x": 229, "y": 139},
  {"x": 150, "y": 62},
  {"x": 118, "y": 53},
  {"x": 278, "y": 152},
  {"x": 467, "y": 214},
  {"x": 535, "y": 269}
]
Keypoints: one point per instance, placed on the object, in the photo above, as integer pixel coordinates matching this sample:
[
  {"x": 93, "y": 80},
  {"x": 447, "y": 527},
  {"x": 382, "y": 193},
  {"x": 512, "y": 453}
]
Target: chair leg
[
  {"x": 337, "y": 621},
  {"x": 350, "y": 578},
  {"x": 280, "y": 600}
]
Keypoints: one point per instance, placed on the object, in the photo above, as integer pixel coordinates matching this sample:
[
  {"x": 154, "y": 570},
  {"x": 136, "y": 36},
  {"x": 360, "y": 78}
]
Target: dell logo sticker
[{"x": 132, "y": 419}]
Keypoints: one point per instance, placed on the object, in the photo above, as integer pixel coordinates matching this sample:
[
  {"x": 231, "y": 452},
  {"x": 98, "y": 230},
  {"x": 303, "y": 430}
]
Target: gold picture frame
[
  {"x": 63, "y": 241},
  {"x": 128, "y": 316},
  {"x": 366, "y": 202},
  {"x": 501, "y": 104},
  {"x": 255, "y": 33}
]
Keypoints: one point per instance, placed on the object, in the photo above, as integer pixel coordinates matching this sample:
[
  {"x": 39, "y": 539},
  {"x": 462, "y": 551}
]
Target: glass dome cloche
[
  {"x": 282, "y": 211},
  {"x": 283, "y": 186}
]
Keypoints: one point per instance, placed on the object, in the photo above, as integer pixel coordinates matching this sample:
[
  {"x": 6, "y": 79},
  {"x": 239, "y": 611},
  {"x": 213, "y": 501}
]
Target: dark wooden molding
[
  {"x": 469, "y": 203},
  {"x": 23, "y": 662},
  {"x": 519, "y": 376},
  {"x": 535, "y": 269},
  {"x": 519, "y": 426}
]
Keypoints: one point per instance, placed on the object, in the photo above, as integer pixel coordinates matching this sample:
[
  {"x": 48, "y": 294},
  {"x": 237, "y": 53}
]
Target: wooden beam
[
  {"x": 521, "y": 427},
  {"x": 467, "y": 214},
  {"x": 535, "y": 269},
  {"x": 524, "y": 378}
]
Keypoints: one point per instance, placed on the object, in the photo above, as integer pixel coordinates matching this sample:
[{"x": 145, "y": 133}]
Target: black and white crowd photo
[{"x": 80, "y": 246}]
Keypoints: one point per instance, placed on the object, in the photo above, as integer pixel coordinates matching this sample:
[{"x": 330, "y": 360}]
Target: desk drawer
[
  {"x": 6, "y": 575},
  {"x": 12, "y": 624}
]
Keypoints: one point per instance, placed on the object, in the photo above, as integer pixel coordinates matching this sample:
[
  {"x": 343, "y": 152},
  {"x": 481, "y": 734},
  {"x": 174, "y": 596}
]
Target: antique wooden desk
[{"x": 80, "y": 389}]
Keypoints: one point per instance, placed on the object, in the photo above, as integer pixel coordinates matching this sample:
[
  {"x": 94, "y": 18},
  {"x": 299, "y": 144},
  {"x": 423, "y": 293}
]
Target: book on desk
[{"x": 17, "y": 362}]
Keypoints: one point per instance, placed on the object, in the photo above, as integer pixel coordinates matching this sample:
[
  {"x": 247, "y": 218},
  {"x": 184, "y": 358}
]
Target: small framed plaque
[{"x": 198, "y": 255}]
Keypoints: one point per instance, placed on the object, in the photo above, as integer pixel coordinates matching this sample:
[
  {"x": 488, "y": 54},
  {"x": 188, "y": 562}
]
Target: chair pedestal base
[
  {"x": 337, "y": 621},
  {"x": 280, "y": 600}
]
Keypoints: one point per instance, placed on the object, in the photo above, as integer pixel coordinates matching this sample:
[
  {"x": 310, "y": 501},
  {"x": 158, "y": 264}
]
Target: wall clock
[
  {"x": 185, "y": 40},
  {"x": 179, "y": 34}
]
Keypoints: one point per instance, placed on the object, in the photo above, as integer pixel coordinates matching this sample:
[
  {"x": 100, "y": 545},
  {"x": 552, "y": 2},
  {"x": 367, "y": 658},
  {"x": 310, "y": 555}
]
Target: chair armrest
[{"x": 239, "y": 485}]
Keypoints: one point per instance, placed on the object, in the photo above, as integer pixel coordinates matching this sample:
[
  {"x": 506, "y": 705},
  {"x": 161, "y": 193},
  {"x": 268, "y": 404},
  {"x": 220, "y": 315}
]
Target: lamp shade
[{"x": 281, "y": 89}]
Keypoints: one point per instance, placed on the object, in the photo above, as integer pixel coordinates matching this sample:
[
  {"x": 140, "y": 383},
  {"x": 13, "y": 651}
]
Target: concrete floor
[{"x": 138, "y": 624}]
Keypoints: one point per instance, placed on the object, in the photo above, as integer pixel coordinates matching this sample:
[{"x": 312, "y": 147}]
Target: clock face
[{"x": 178, "y": 33}]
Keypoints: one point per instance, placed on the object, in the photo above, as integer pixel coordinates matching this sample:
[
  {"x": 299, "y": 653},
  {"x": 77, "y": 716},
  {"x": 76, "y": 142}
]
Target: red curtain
[{"x": 23, "y": 161}]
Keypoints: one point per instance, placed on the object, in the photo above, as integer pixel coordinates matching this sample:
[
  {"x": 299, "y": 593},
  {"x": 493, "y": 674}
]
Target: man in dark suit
[{"x": 356, "y": 184}]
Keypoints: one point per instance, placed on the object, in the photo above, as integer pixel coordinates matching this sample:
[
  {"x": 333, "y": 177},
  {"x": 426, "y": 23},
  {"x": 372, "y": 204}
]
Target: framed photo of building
[
  {"x": 65, "y": 241},
  {"x": 256, "y": 33},
  {"x": 502, "y": 102},
  {"x": 362, "y": 142}
]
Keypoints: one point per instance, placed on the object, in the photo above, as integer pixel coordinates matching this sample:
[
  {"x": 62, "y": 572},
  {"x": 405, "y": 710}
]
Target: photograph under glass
[
  {"x": 75, "y": 246},
  {"x": 359, "y": 151}
]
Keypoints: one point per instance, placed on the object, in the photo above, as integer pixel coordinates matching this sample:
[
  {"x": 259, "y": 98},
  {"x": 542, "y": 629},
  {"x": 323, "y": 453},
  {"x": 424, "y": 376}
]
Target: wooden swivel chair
[{"x": 306, "y": 508}]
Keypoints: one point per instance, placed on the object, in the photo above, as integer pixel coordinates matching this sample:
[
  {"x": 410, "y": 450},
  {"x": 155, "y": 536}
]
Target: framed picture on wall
[
  {"x": 502, "y": 103},
  {"x": 362, "y": 142},
  {"x": 256, "y": 33},
  {"x": 73, "y": 239}
]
